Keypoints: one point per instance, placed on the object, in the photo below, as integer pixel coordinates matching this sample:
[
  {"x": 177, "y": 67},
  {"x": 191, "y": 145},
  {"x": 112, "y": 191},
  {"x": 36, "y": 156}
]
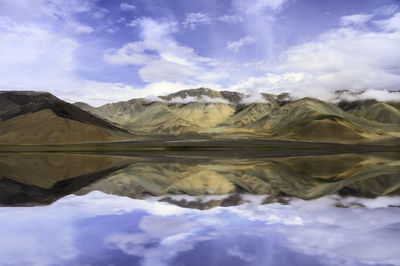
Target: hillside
[
  {"x": 36, "y": 117},
  {"x": 194, "y": 112},
  {"x": 248, "y": 114},
  {"x": 373, "y": 110},
  {"x": 157, "y": 118},
  {"x": 309, "y": 119},
  {"x": 274, "y": 116}
]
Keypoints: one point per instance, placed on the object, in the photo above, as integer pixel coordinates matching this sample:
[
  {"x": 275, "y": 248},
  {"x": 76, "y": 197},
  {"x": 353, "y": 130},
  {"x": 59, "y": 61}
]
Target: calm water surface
[{"x": 112, "y": 222}]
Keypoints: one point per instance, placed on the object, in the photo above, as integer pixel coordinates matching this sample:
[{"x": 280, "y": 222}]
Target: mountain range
[{"x": 28, "y": 117}]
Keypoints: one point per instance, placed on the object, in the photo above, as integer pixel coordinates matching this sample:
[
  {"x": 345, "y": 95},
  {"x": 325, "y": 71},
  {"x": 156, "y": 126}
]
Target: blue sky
[{"x": 102, "y": 51}]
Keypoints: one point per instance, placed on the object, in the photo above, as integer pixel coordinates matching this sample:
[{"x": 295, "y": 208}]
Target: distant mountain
[
  {"x": 225, "y": 113},
  {"x": 373, "y": 110},
  {"x": 310, "y": 119},
  {"x": 248, "y": 114},
  {"x": 231, "y": 96},
  {"x": 40, "y": 117},
  {"x": 157, "y": 118}
]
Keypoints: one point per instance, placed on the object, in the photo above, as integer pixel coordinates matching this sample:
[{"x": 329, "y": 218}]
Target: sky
[{"x": 101, "y": 51}]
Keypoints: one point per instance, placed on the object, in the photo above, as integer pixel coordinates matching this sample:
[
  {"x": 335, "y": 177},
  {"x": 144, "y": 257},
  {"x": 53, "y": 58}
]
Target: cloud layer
[{"x": 87, "y": 51}]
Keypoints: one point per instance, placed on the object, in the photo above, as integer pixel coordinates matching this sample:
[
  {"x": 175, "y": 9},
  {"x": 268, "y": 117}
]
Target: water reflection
[
  {"x": 36, "y": 179},
  {"x": 32, "y": 179},
  {"x": 101, "y": 229}
]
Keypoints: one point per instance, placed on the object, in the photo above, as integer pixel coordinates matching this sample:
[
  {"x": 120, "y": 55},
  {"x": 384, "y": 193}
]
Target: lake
[{"x": 190, "y": 208}]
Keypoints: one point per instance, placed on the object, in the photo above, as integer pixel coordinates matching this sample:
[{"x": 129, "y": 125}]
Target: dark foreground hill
[{"x": 41, "y": 118}]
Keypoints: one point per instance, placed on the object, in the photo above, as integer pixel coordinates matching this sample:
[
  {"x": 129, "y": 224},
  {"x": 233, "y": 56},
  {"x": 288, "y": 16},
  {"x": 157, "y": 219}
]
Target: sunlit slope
[
  {"x": 380, "y": 112},
  {"x": 120, "y": 112},
  {"x": 40, "y": 118},
  {"x": 158, "y": 119},
  {"x": 272, "y": 116},
  {"x": 248, "y": 114},
  {"x": 309, "y": 119},
  {"x": 204, "y": 115}
]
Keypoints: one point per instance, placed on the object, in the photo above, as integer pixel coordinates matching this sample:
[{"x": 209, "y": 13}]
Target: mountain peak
[
  {"x": 193, "y": 93},
  {"x": 26, "y": 97},
  {"x": 231, "y": 96}
]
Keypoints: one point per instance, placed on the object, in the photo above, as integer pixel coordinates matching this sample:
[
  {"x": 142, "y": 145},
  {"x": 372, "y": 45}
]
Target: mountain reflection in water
[
  {"x": 102, "y": 229},
  {"x": 42, "y": 178}
]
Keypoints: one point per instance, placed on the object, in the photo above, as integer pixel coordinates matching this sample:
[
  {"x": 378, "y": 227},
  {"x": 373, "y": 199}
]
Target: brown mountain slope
[
  {"x": 119, "y": 112},
  {"x": 161, "y": 118},
  {"x": 374, "y": 111},
  {"x": 248, "y": 114},
  {"x": 283, "y": 117},
  {"x": 156, "y": 118},
  {"x": 309, "y": 119},
  {"x": 13, "y": 99},
  {"x": 204, "y": 114},
  {"x": 327, "y": 128},
  {"x": 39, "y": 118}
]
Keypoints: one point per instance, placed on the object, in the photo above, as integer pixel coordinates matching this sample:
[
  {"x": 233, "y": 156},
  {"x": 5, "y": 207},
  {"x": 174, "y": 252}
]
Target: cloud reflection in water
[{"x": 101, "y": 229}]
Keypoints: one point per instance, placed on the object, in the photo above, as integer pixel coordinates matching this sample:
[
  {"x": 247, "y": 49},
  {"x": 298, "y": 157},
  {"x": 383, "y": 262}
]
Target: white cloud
[
  {"x": 233, "y": 19},
  {"x": 344, "y": 58},
  {"x": 236, "y": 252},
  {"x": 164, "y": 88},
  {"x": 274, "y": 83},
  {"x": 98, "y": 93},
  {"x": 215, "y": 75},
  {"x": 380, "y": 95},
  {"x": 22, "y": 10},
  {"x": 130, "y": 54},
  {"x": 155, "y": 42},
  {"x": 159, "y": 55},
  {"x": 112, "y": 30},
  {"x": 78, "y": 27},
  {"x": 236, "y": 45},
  {"x": 387, "y": 10},
  {"x": 193, "y": 20},
  {"x": 161, "y": 70},
  {"x": 201, "y": 99},
  {"x": 42, "y": 45},
  {"x": 38, "y": 53},
  {"x": 390, "y": 25},
  {"x": 127, "y": 7},
  {"x": 133, "y": 23},
  {"x": 258, "y": 6},
  {"x": 253, "y": 98},
  {"x": 356, "y": 19},
  {"x": 38, "y": 49}
]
